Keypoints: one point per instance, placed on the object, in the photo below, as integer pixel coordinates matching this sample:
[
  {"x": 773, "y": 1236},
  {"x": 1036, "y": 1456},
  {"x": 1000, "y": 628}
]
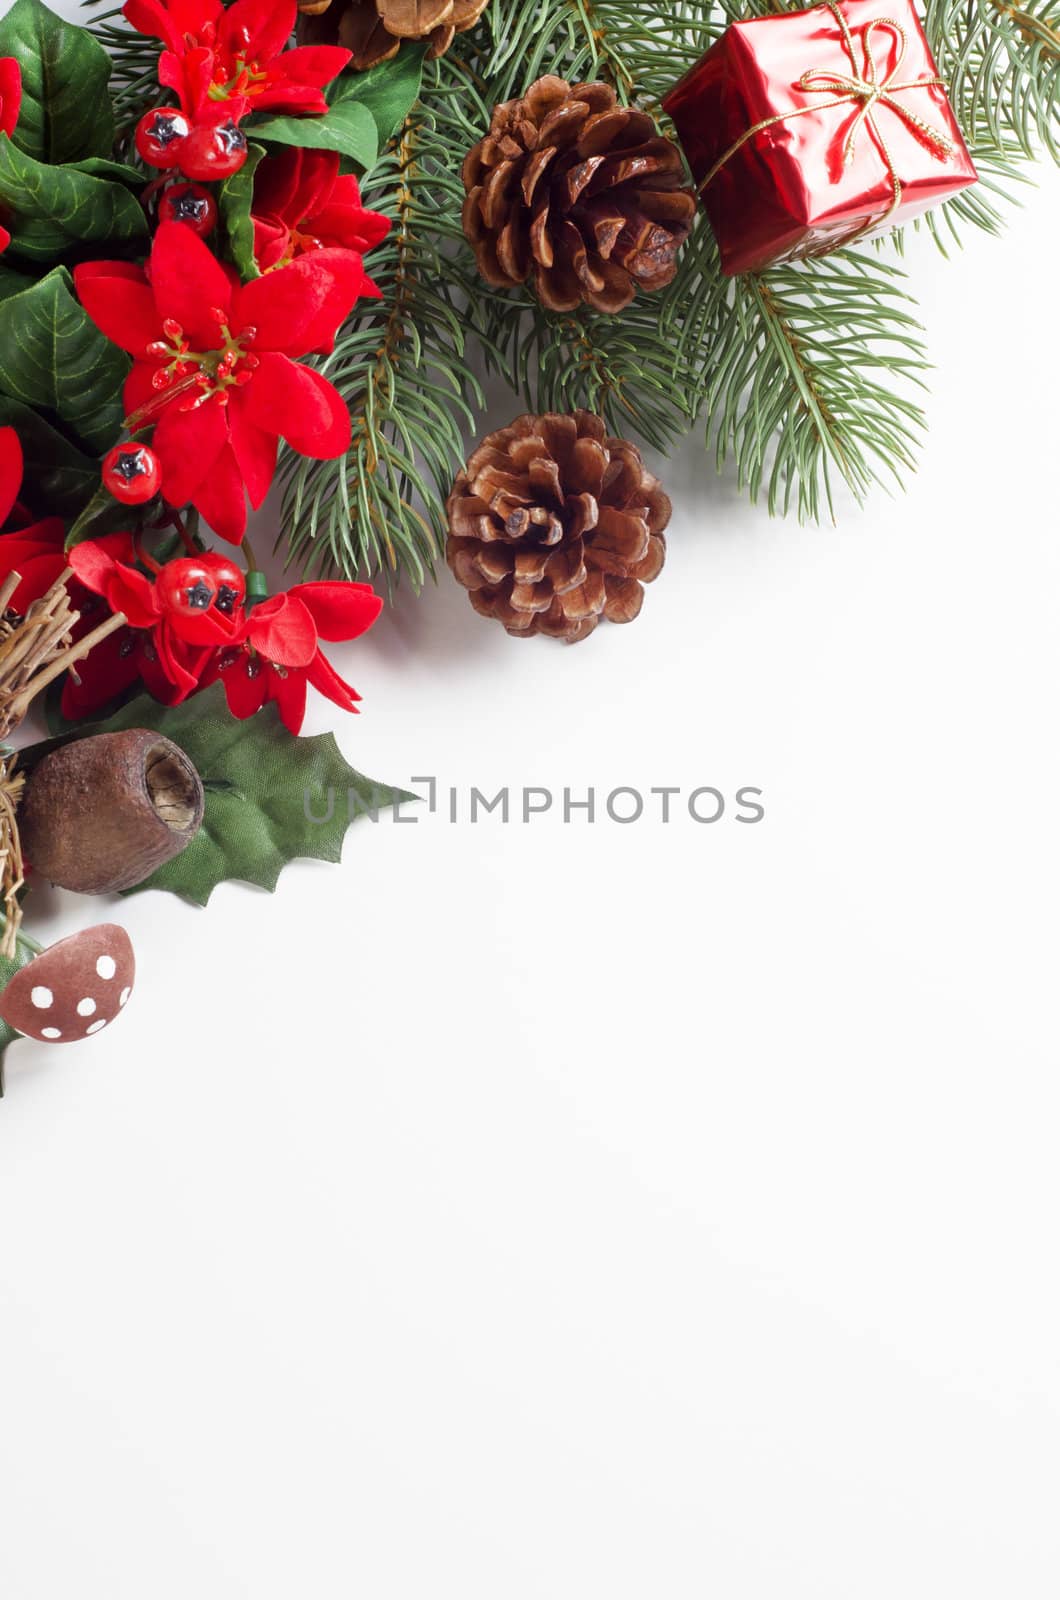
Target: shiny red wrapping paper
[{"x": 788, "y": 192}]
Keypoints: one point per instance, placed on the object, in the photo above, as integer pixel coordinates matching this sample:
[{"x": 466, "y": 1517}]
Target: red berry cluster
[{"x": 204, "y": 152}]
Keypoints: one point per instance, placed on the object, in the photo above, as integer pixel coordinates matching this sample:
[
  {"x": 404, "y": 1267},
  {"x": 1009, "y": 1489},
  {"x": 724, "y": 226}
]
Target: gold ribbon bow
[{"x": 864, "y": 88}]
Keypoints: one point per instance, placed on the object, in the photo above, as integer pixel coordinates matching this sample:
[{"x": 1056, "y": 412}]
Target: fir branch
[
  {"x": 402, "y": 370},
  {"x": 1001, "y": 64},
  {"x": 806, "y": 377}
]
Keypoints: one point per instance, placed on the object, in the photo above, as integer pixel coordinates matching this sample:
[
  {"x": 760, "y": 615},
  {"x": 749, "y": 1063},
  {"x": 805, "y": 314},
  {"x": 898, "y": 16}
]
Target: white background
[{"x": 541, "y": 1212}]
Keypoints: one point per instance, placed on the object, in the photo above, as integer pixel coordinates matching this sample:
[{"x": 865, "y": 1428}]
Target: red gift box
[{"x": 807, "y": 130}]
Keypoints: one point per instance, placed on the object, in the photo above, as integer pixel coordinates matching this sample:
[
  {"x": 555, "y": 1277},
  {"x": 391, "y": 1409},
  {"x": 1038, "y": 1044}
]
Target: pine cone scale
[{"x": 413, "y": 19}]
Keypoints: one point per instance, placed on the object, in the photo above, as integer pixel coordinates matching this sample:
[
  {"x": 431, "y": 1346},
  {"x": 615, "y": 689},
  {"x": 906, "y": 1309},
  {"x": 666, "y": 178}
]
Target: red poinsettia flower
[
  {"x": 168, "y": 651},
  {"x": 10, "y": 105},
  {"x": 216, "y": 364},
  {"x": 213, "y": 54},
  {"x": 32, "y": 549},
  {"x": 280, "y": 655},
  {"x": 302, "y": 204}
]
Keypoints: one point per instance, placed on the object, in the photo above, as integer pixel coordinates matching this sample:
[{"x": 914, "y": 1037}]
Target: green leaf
[
  {"x": 8, "y": 967},
  {"x": 12, "y": 282},
  {"x": 388, "y": 91},
  {"x": 53, "y": 358},
  {"x": 59, "y": 478},
  {"x": 265, "y": 788},
  {"x": 234, "y": 199},
  {"x": 100, "y": 167},
  {"x": 349, "y": 128},
  {"x": 66, "y": 108},
  {"x": 98, "y": 515},
  {"x": 57, "y": 208}
]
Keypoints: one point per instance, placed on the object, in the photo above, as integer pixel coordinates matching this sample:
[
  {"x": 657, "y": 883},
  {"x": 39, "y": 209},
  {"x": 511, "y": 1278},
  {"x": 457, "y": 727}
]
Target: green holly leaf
[
  {"x": 59, "y": 478},
  {"x": 56, "y": 209},
  {"x": 54, "y": 358},
  {"x": 66, "y": 110},
  {"x": 270, "y": 797},
  {"x": 388, "y": 91},
  {"x": 234, "y": 199},
  {"x": 348, "y": 128}
]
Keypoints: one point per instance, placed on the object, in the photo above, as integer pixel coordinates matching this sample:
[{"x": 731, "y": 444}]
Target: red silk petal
[
  {"x": 10, "y": 471},
  {"x": 288, "y": 690},
  {"x": 341, "y": 611},
  {"x": 299, "y": 405},
  {"x": 121, "y": 306},
  {"x": 258, "y": 29},
  {"x": 314, "y": 64},
  {"x": 188, "y": 282},
  {"x": 221, "y": 497},
  {"x": 246, "y": 686},
  {"x": 255, "y": 449},
  {"x": 283, "y": 306},
  {"x": 282, "y": 630},
  {"x": 188, "y": 444},
  {"x": 326, "y": 681},
  {"x": 10, "y": 93}
]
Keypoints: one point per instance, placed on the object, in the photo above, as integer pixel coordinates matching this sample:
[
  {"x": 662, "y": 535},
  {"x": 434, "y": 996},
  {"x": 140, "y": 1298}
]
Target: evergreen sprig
[{"x": 804, "y": 378}]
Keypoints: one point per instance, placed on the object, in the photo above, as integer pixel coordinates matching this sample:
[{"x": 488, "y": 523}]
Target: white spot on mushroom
[
  {"x": 86, "y": 1007},
  {"x": 42, "y": 997},
  {"x": 94, "y": 1027},
  {"x": 106, "y": 967},
  {"x": 51, "y": 1033},
  {"x": 124, "y": 996}
]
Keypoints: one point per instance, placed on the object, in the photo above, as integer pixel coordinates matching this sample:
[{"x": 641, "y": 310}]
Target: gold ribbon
[{"x": 864, "y": 88}]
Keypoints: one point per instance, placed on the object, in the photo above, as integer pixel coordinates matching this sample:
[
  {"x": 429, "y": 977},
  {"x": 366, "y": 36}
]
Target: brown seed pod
[
  {"x": 74, "y": 988},
  {"x": 100, "y": 814}
]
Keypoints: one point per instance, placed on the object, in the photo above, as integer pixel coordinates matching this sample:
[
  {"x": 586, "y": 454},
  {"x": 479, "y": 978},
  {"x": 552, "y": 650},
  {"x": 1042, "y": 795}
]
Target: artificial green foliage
[
  {"x": 55, "y": 360},
  {"x": 348, "y": 128},
  {"x": 59, "y": 211},
  {"x": 58, "y": 478},
  {"x": 61, "y": 194},
  {"x": 388, "y": 92},
  {"x": 234, "y": 198},
  {"x": 9, "y": 965},
  {"x": 66, "y": 110},
  {"x": 805, "y": 380},
  {"x": 270, "y": 797}
]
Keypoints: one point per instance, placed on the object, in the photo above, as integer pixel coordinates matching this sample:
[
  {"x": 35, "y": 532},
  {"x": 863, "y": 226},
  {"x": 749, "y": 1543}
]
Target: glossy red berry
[
  {"x": 213, "y": 151},
  {"x": 132, "y": 473},
  {"x": 191, "y": 204},
  {"x": 161, "y": 135},
  {"x": 186, "y": 587},
  {"x": 231, "y": 585}
]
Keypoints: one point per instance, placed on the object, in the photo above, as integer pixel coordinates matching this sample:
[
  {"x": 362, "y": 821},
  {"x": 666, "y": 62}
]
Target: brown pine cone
[
  {"x": 553, "y": 525},
  {"x": 582, "y": 193},
  {"x": 374, "y": 30}
]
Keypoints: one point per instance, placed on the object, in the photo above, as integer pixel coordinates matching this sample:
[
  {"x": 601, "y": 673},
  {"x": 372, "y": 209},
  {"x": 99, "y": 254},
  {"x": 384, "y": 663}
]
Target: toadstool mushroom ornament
[{"x": 74, "y": 988}]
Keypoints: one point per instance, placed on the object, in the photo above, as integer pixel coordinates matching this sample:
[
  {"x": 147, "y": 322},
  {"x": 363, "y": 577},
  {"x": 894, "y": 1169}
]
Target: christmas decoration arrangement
[{"x": 276, "y": 244}]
